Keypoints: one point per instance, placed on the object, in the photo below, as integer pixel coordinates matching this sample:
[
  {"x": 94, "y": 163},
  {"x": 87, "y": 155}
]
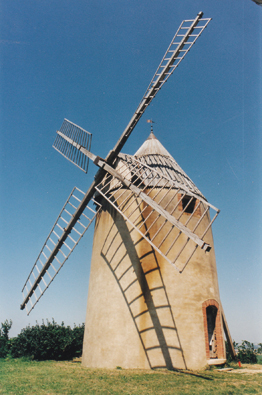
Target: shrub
[
  {"x": 246, "y": 352},
  {"x": 48, "y": 341},
  {"x": 4, "y": 338}
]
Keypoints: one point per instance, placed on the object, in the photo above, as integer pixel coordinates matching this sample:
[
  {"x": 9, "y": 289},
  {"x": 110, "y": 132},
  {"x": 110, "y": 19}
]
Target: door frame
[{"x": 218, "y": 329}]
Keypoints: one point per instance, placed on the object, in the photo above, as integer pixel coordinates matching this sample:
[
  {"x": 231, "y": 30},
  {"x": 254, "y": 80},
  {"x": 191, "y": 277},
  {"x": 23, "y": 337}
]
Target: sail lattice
[
  {"x": 164, "y": 212},
  {"x": 70, "y": 151},
  {"x": 57, "y": 248},
  {"x": 185, "y": 37}
]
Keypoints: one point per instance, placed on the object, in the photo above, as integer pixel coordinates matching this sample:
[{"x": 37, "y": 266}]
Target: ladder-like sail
[
  {"x": 74, "y": 143},
  {"x": 80, "y": 137},
  {"x": 184, "y": 39},
  {"x": 143, "y": 195},
  {"x": 60, "y": 243}
]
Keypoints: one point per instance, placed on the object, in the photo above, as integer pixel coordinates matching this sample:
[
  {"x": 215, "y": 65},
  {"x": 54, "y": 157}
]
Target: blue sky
[{"x": 90, "y": 62}]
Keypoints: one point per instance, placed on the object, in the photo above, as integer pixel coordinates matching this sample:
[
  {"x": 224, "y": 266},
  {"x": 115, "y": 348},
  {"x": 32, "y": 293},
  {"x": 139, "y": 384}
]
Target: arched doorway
[
  {"x": 211, "y": 313},
  {"x": 215, "y": 349}
]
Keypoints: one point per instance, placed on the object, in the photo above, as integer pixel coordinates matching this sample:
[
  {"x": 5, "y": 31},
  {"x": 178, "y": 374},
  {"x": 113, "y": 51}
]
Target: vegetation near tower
[
  {"x": 4, "y": 338},
  {"x": 48, "y": 341}
]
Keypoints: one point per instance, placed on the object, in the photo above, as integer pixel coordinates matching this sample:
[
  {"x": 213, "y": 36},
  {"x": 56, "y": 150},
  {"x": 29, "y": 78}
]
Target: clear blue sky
[{"x": 90, "y": 61}]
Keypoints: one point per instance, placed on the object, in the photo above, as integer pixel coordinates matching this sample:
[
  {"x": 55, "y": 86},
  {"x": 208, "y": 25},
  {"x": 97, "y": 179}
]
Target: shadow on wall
[{"x": 136, "y": 270}]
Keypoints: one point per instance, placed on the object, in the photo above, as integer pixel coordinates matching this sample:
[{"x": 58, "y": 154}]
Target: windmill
[{"x": 153, "y": 293}]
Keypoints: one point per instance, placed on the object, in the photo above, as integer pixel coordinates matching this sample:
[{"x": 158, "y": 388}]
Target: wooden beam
[{"x": 228, "y": 336}]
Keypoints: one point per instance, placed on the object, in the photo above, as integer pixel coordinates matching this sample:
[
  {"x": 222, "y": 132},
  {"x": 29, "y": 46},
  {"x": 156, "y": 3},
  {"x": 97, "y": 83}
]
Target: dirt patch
[{"x": 248, "y": 369}]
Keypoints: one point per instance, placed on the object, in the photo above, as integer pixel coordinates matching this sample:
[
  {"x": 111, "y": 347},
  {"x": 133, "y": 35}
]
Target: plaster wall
[{"x": 141, "y": 312}]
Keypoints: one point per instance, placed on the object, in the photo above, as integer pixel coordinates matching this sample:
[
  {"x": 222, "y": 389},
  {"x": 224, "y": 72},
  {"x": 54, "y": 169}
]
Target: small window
[
  {"x": 137, "y": 181},
  {"x": 188, "y": 204}
]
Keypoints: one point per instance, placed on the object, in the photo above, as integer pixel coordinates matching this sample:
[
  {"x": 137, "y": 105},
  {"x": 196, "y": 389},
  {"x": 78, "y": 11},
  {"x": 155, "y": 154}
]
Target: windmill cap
[
  {"x": 152, "y": 146},
  {"x": 153, "y": 154}
]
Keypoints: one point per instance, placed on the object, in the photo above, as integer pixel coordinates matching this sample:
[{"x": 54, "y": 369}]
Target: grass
[{"x": 20, "y": 377}]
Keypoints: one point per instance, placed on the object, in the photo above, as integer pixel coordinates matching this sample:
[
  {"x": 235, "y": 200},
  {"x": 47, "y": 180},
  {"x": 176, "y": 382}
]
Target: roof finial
[{"x": 151, "y": 121}]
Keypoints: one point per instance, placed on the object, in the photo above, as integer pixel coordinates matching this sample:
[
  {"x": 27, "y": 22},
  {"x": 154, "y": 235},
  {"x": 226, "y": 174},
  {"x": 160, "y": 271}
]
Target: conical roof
[
  {"x": 154, "y": 154},
  {"x": 152, "y": 146}
]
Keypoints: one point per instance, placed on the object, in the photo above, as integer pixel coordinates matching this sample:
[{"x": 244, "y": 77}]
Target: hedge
[{"x": 45, "y": 342}]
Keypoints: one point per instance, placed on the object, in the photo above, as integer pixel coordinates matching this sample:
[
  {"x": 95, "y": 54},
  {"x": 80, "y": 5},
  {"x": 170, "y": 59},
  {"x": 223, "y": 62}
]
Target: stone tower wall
[{"x": 141, "y": 312}]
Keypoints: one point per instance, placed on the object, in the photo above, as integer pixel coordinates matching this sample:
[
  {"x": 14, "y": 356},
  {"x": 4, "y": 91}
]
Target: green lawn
[{"x": 28, "y": 377}]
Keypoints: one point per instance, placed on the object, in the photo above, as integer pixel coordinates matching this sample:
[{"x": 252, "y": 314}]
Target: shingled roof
[{"x": 153, "y": 154}]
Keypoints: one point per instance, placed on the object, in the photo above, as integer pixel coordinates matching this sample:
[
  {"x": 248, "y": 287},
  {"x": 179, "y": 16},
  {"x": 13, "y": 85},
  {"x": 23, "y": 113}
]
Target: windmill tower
[{"x": 153, "y": 296}]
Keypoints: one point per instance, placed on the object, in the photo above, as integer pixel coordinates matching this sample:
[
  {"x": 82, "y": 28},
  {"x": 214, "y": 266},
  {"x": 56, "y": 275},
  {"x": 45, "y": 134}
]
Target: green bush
[
  {"x": 4, "y": 338},
  {"x": 246, "y": 352},
  {"x": 48, "y": 341},
  {"x": 259, "y": 359}
]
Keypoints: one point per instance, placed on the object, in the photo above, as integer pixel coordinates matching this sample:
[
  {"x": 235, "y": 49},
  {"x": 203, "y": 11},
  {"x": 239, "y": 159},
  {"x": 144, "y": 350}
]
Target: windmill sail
[
  {"x": 60, "y": 243},
  {"x": 80, "y": 136},
  {"x": 146, "y": 178},
  {"x": 185, "y": 37},
  {"x": 67, "y": 143},
  {"x": 74, "y": 143},
  {"x": 142, "y": 195}
]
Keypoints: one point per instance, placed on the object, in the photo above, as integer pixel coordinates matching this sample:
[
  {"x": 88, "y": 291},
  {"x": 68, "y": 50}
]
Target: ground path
[{"x": 245, "y": 369}]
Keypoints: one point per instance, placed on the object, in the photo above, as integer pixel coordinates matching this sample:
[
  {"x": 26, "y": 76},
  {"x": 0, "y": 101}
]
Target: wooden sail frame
[
  {"x": 118, "y": 189},
  {"x": 60, "y": 243},
  {"x": 70, "y": 145}
]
